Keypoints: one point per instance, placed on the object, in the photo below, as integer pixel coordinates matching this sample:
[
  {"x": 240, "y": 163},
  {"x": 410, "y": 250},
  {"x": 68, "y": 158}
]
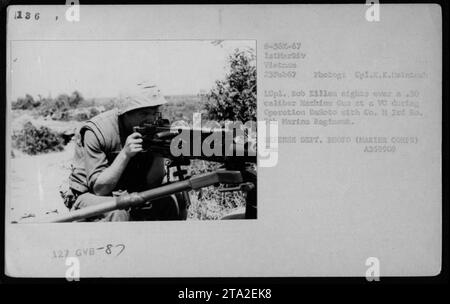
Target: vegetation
[
  {"x": 33, "y": 140},
  {"x": 63, "y": 108},
  {"x": 208, "y": 203},
  {"x": 234, "y": 98}
]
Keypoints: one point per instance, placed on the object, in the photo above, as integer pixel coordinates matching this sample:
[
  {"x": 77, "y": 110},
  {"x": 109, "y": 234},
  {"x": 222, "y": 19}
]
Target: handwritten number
[
  {"x": 108, "y": 249},
  {"x": 27, "y": 15},
  {"x": 121, "y": 250},
  {"x": 36, "y": 16}
]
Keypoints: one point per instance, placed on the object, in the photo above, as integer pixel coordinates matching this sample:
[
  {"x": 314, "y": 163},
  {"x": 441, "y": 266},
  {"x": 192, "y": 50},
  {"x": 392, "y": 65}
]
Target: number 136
[{"x": 25, "y": 15}]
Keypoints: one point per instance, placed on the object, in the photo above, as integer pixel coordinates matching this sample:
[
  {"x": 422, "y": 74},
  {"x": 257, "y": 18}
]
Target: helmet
[{"x": 142, "y": 95}]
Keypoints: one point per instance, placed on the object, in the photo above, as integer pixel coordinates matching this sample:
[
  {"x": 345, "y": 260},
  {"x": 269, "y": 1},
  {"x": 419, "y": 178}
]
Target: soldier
[{"x": 108, "y": 160}]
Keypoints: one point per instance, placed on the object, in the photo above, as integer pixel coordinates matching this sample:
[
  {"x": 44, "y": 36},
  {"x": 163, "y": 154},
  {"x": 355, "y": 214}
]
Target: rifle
[{"x": 237, "y": 172}]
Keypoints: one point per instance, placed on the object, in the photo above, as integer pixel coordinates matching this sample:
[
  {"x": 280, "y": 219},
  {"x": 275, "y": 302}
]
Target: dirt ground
[{"x": 35, "y": 181}]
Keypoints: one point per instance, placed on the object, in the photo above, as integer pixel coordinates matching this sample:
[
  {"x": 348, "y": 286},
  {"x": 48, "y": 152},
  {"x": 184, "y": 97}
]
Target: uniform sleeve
[{"x": 95, "y": 159}]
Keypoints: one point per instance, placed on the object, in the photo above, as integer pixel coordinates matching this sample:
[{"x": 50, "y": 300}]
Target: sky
[{"x": 107, "y": 68}]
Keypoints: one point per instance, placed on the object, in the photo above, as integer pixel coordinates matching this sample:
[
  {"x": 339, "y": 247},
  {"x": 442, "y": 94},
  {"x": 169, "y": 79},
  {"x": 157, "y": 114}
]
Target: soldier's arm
[{"x": 102, "y": 176}]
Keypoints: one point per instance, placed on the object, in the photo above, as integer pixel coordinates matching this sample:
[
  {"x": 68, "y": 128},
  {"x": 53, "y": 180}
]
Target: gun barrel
[{"x": 136, "y": 199}]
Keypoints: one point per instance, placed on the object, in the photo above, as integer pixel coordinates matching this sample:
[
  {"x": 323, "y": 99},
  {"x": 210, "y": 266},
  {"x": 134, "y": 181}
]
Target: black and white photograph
[
  {"x": 94, "y": 120},
  {"x": 224, "y": 141}
]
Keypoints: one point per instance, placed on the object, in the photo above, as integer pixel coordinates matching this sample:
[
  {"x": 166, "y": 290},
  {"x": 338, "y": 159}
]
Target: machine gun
[
  {"x": 237, "y": 171},
  {"x": 158, "y": 138}
]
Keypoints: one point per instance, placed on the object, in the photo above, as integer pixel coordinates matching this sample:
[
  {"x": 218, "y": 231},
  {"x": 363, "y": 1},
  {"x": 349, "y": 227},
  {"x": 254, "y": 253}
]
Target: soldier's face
[{"x": 141, "y": 116}]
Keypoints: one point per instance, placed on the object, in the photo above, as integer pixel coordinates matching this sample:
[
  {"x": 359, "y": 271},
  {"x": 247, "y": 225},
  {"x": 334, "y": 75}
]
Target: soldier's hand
[{"x": 133, "y": 144}]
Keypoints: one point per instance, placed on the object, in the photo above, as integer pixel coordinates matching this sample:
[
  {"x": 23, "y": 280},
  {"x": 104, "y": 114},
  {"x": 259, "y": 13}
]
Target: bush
[
  {"x": 75, "y": 99},
  {"x": 62, "y": 114},
  {"x": 85, "y": 113},
  {"x": 81, "y": 116},
  {"x": 59, "y": 108},
  {"x": 93, "y": 112},
  {"x": 235, "y": 97},
  {"x": 32, "y": 140},
  {"x": 26, "y": 103}
]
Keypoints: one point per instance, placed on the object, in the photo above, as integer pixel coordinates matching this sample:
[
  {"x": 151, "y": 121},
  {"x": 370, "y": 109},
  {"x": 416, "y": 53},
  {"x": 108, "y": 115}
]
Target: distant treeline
[
  {"x": 74, "y": 107},
  {"x": 64, "y": 107},
  {"x": 63, "y": 100}
]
